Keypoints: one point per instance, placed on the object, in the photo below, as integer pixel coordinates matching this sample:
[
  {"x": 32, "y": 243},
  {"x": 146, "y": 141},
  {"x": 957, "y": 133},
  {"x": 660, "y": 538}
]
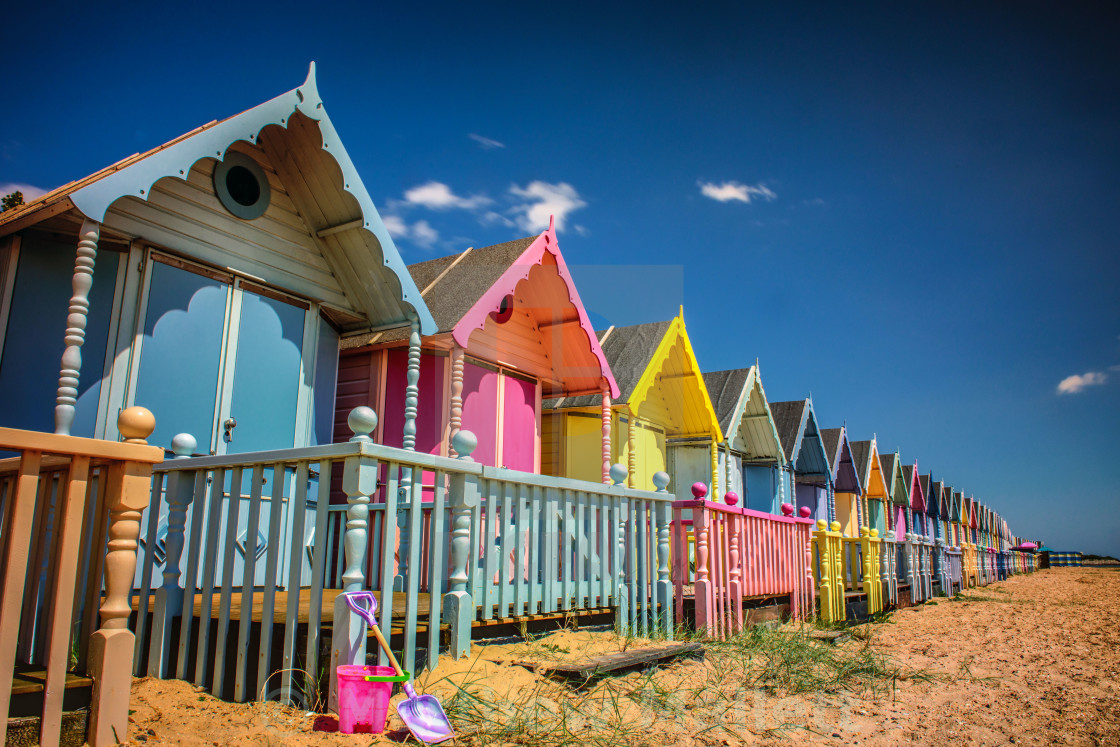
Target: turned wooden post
[
  {"x": 619, "y": 474},
  {"x": 411, "y": 406},
  {"x": 715, "y": 492},
  {"x": 703, "y": 594},
  {"x": 606, "y": 415},
  {"x": 455, "y": 420},
  {"x": 632, "y": 449},
  {"x": 359, "y": 482},
  {"x": 76, "y": 328},
  {"x": 169, "y": 597},
  {"x": 464, "y": 497},
  {"x": 664, "y": 582},
  {"x": 735, "y": 573},
  {"x": 128, "y": 490}
]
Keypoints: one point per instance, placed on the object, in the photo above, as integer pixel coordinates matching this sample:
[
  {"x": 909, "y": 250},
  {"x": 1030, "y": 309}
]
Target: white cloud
[
  {"x": 438, "y": 196},
  {"x": 1114, "y": 368},
  {"x": 484, "y": 142},
  {"x": 1077, "y": 382},
  {"x": 423, "y": 234},
  {"x": 30, "y": 192},
  {"x": 735, "y": 191},
  {"x": 420, "y": 233},
  {"x": 490, "y": 217},
  {"x": 543, "y": 200},
  {"x": 395, "y": 225}
]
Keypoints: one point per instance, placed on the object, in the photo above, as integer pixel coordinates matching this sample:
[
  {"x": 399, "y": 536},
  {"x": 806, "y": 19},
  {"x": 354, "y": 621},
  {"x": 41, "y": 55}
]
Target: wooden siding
[{"x": 186, "y": 216}]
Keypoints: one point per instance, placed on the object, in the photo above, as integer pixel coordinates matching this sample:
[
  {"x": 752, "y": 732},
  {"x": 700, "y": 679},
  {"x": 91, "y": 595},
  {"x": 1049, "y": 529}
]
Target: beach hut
[
  {"x": 510, "y": 332},
  {"x": 916, "y": 499},
  {"x": 661, "y": 398},
  {"x": 751, "y": 460},
  {"x": 876, "y": 495},
  {"x": 899, "y": 490},
  {"x": 847, "y": 490},
  {"x": 209, "y": 280},
  {"x": 808, "y": 477}
]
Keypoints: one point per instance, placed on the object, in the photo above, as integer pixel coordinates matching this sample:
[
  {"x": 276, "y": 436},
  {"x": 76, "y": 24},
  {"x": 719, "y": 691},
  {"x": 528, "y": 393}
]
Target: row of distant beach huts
[{"x": 453, "y": 435}]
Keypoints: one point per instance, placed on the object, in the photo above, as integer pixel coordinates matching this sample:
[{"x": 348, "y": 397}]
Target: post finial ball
[
  {"x": 136, "y": 424},
  {"x": 660, "y": 480},
  {"x": 464, "y": 442},
  {"x": 362, "y": 420},
  {"x": 787, "y": 509},
  {"x": 183, "y": 445},
  {"x": 834, "y": 526},
  {"x": 805, "y": 512},
  {"x": 731, "y": 498},
  {"x": 821, "y": 526},
  {"x": 618, "y": 473},
  {"x": 699, "y": 490}
]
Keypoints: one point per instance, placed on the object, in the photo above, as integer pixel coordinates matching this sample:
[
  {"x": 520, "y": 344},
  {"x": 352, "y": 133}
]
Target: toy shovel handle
[
  {"x": 366, "y": 611},
  {"x": 409, "y": 691}
]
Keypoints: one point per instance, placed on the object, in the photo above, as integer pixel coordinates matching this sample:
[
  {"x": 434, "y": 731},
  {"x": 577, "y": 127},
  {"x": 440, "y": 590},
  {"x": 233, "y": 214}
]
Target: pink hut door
[
  {"x": 480, "y": 411},
  {"x": 900, "y": 528},
  {"x": 519, "y": 424}
]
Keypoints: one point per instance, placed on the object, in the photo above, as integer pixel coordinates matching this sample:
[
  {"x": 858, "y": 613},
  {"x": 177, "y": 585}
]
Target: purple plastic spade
[{"x": 422, "y": 714}]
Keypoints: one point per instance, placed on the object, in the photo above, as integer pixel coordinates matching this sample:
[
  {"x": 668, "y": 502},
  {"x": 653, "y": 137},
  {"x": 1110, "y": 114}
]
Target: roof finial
[
  {"x": 681, "y": 313},
  {"x": 551, "y": 223}
]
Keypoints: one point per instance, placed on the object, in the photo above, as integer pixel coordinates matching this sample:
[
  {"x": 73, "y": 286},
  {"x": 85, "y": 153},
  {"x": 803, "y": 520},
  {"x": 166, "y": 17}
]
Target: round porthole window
[
  {"x": 242, "y": 186},
  {"x": 504, "y": 311}
]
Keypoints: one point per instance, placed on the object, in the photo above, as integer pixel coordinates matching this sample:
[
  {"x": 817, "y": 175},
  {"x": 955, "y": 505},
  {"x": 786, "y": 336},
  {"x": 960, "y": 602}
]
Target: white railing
[{"x": 266, "y": 536}]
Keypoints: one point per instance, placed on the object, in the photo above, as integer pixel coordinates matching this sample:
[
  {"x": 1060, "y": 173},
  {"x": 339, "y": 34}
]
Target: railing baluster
[
  {"x": 206, "y": 600},
  {"x": 295, "y": 572},
  {"x": 248, "y": 584},
  {"x": 272, "y": 561},
  {"x": 437, "y": 566},
  {"x": 194, "y": 549},
  {"x": 233, "y": 515}
]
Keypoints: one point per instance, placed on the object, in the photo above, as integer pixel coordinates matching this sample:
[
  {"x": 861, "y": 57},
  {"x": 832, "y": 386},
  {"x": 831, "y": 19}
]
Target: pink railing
[{"x": 725, "y": 554}]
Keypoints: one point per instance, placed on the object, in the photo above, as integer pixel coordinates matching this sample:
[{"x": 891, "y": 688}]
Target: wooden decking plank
[{"x": 614, "y": 662}]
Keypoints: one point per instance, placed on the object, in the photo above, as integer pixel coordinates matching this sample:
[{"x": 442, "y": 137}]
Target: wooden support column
[
  {"x": 632, "y": 447},
  {"x": 455, "y": 420},
  {"x": 664, "y": 583},
  {"x": 464, "y": 497},
  {"x": 359, "y": 482},
  {"x": 71, "y": 371},
  {"x": 128, "y": 491},
  {"x": 411, "y": 406},
  {"x": 606, "y": 415},
  {"x": 715, "y": 493}
]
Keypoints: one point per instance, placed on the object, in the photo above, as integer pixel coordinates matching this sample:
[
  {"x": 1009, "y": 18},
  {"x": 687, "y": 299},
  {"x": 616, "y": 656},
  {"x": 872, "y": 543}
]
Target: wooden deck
[{"x": 280, "y": 602}]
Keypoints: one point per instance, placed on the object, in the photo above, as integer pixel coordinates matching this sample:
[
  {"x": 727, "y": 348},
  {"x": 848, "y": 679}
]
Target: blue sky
[{"x": 909, "y": 213}]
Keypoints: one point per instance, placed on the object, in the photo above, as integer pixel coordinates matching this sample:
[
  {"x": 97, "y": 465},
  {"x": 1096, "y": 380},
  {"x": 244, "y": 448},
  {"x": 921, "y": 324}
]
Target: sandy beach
[{"x": 1034, "y": 660}]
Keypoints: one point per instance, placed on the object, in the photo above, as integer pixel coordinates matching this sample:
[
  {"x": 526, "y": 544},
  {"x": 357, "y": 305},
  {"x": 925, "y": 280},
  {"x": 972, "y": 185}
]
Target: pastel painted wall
[
  {"x": 649, "y": 447},
  {"x": 480, "y": 411},
  {"x": 815, "y": 498},
  {"x": 689, "y": 463},
  {"x": 762, "y": 488},
  {"x": 877, "y": 516},
  {"x": 898, "y": 521},
  {"x": 847, "y": 513}
]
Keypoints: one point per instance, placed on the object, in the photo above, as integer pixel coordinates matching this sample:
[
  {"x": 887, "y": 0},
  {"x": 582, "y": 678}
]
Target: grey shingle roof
[
  {"x": 457, "y": 291},
  {"x": 831, "y": 438},
  {"x": 861, "y": 455},
  {"x": 787, "y": 418},
  {"x": 726, "y": 389},
  {"x": 629, "y": 351}
]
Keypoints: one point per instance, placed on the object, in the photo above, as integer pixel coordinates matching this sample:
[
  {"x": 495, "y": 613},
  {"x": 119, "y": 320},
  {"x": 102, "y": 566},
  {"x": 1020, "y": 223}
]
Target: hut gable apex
[
  {"x": 539, "y": 278},
  {"x": 740, "y": 403},
  {"x": 841, "y": 461},
  {"x": 340, "y": 252},
  {"x": 801, "y": 439},
  {"x": 870, "y": 470},
  {"x": 674, "y": 373}
]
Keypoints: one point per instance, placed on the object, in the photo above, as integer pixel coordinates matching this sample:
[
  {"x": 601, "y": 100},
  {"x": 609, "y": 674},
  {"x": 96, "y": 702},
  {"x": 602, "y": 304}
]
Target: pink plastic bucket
[{"x": 363, "y": 705}]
